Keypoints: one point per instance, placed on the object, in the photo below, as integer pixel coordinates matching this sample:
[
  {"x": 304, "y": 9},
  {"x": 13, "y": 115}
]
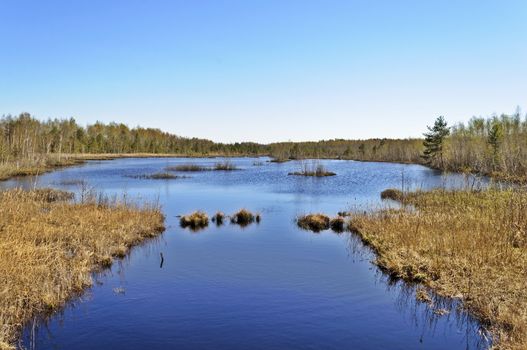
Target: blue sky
[{"x": 264, "y": 70}]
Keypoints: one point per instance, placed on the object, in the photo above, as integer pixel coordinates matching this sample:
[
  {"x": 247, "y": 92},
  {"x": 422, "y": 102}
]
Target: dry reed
[
  {"x": 49, "y": 248},
  {"x": 463, "y": 244}
]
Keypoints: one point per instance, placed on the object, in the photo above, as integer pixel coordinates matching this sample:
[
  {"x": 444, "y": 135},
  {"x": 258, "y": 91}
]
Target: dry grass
[
  {"x": 337, "y": 224},
  {"x": 157, "y": 176},
  {"x": 225, "y": 166},
  {"x": 244, "y": 217},
  {"x": 37, "y": 165},
  {"x": 316, "y": 170},
  {"x": 195, "y": 221},
  {"x": 469, "y": 245},
  {"x": 218, "y": 218},
  {"x": 48, "y": 249},
  {"x": 187, "y": 167},
  {"x": 313, "y": 222},
  {"x": 393, "y": 194}
]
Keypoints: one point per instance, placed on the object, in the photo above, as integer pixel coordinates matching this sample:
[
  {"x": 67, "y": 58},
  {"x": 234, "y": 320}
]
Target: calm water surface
[{"x": 265, "y": 286}]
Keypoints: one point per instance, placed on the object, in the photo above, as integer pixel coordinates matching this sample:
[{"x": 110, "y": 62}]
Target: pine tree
[
  {"x": 434, "y": 138},
  {"x": 494, "y": 138}
]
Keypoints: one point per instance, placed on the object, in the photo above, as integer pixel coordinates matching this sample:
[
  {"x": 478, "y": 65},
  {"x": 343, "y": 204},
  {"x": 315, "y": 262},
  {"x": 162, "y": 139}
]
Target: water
[{"x": 265, "y": 286}]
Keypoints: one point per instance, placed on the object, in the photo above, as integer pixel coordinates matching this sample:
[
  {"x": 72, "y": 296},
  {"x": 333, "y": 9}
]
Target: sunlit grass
[
  {"x": 463, "y": 244},
  {"x": 49, "y": 246}
]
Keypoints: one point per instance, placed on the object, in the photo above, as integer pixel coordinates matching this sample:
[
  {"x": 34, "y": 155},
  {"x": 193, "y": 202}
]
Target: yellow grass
[
  {"x": 195, "y": 221},
  {"x": 313, "y": 222},
  {"x": 244, "y": 217},
  {"x": 48, "y": 249},
  {"x": 468, "y": 245}
]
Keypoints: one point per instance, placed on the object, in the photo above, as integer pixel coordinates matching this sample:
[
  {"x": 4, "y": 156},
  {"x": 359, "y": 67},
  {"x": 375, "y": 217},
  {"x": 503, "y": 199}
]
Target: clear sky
[{"x": 264, "y": 70}]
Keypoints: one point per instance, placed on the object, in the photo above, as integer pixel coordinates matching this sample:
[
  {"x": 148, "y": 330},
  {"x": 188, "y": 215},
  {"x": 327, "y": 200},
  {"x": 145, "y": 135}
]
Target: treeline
[
  {"x": 24, "y": 137},
  {"x": 495, "y": 145}
]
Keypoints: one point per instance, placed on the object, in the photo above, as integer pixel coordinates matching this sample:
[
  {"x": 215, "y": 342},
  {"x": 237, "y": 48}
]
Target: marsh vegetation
[
  {"x": 50, "y": 245},
  {"x": 195, "y": 221},
  {"x": 470, "y": 245},
  {"x": 157, "y": 176},
  {"x": 313, "y": 169}
]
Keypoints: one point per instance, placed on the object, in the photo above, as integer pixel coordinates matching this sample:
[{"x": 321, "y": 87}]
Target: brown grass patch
[
  {"x": 195, "y": 221},
  {"x": 187, "y": 167},
  {"x": 49, "y": 247},
  {"x": 244, "y": 217},
  {"x": 225, "y": 166},
  {"x": 313, "y": 222},
  {"x": 393, "y": 194},
  {"x": 158, "y": 176},
  {"x": 471, "y": 245},
  {"x": 337, "y": 224},
  {"x": 218, "y": 218}
]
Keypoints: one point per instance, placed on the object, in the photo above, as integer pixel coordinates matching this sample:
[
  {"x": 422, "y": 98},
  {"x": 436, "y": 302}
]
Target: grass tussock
[
  {"x": 317, "y": 170},
  {"x": 464, "y": 244},
  {"x": 313, "y": 222},
  {"x": 187, "y": 167},
  {"x": 337, "y": 224},
  {"x": 72, "y": 182},
  {"x": 158, "y": 176},
  {"x": 225, "y": 166},
  {"x": 218, "y": 218},
  {"x": 50, "y": 195},
  {"x": 280, "y": 160},
  {"x": 393, "y": 194},
  {"x": 244, "y": 217},
  {"x": 195, "y": 221},
  {"x": 49, "y": 247}
]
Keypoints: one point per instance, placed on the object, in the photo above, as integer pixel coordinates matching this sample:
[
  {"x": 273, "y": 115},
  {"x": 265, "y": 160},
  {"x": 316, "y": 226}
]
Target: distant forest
[{"x": 494, "y": 145}]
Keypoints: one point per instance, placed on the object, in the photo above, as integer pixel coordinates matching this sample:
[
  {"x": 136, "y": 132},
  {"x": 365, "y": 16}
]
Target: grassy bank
[
  {"x": 49, "y": 247},
  {"x": 463, "y": 244}
]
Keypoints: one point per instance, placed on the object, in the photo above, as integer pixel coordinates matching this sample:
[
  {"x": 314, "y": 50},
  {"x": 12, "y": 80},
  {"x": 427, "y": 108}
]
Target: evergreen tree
[
  {"x": 495, "y": 138},
  {"x": 434, "y": 138}
]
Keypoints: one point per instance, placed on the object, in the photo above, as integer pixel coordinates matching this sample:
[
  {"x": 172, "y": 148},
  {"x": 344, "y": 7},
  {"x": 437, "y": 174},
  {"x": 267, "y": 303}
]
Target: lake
[{"x": 265, "y": 286}]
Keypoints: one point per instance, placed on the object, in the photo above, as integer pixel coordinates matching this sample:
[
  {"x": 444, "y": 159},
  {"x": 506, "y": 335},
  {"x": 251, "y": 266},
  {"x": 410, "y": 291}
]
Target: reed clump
[
  {"x": 244, "y": 217},
  {"x": 316, "y": 171},
  {"x": 337, "y": 224},
  {"x": 393, "y": 194},
  {"x": 49, "y": 247},
  {"x": 225, "y": 166},
  {"x": 313, "y": 222},
  {"x": 464, "y": 244},
  {"x": 218, "y": 218},
  {"x": 158, "y": 176},
  {"x": 187, "y": 167},
  {"x": 195, "y": 221}
]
